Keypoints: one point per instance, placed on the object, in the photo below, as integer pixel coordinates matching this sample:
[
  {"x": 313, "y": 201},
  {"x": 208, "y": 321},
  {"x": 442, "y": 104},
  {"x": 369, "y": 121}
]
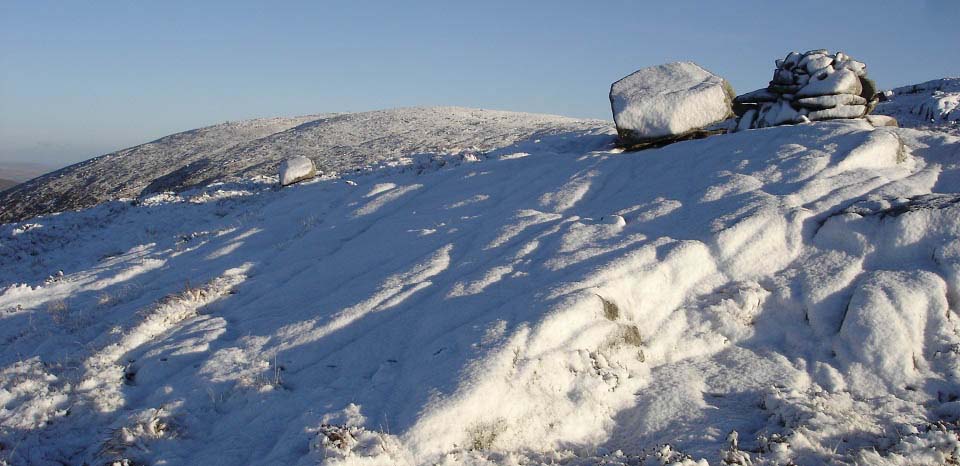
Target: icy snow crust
[
  {"x": 337, "y": 143},
  {"x": 558, "y": 303}
]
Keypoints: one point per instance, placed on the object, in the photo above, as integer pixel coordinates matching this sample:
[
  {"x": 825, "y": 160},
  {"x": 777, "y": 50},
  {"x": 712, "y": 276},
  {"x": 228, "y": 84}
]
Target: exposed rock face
[
  {"x": 296, "y": 169},
  {"x": 815, "y": 85},
  {"x": 668, "y": 102}
]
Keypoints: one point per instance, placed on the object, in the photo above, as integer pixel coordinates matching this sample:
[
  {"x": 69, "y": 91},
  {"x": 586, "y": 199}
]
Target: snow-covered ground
[{"x": 554, "y": 302}]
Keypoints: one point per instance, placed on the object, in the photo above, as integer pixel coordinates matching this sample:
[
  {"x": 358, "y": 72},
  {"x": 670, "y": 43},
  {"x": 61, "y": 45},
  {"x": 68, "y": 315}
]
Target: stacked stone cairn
[{"x": 810, "y": 86}]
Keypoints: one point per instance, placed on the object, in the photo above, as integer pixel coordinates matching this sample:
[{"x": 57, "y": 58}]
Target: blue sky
[{"x": 79, "y": 79}]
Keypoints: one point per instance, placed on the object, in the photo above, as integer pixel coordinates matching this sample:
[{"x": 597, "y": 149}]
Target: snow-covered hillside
[
  {"x": 128, "y": 172},
  {"x": 231, "y": 151},
  {"x": 557, "y": 301},
  {"x": 933, "y": 104}
]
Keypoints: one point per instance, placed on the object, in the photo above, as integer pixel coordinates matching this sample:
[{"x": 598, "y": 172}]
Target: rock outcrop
[
  {"x": 665, "y": 103},
  {"x": 815, "y": 85}
]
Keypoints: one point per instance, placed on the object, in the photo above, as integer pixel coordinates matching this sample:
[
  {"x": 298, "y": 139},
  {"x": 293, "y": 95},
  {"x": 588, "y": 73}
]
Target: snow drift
[{"x": 556, "y": 302}]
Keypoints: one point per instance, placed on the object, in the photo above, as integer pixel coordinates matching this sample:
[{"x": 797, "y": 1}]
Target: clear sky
[{"x": 79, "y": 79}]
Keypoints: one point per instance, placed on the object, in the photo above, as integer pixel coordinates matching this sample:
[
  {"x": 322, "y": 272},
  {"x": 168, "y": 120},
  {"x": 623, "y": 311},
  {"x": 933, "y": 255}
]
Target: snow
[
  {"x": 296, "y": 169},
  {"x": 783, "y": 294},
  {"x": 669, "y": 100}
]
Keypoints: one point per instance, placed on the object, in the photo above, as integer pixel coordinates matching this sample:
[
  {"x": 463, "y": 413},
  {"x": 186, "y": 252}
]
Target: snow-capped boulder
[
  {"x": 668, "y": 102},
  {"x": 891, "y": 320},
  {"x": 613, "y": 219},
  {"x": 296, "y": 169},
  {"x": 815, "y": 85}
]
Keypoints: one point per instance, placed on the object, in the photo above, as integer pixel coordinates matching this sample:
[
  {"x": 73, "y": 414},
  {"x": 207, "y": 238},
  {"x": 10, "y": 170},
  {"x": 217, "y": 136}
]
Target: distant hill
[
  {"x": 5, "y": 183},
  {"x": 235, "y": 150}
]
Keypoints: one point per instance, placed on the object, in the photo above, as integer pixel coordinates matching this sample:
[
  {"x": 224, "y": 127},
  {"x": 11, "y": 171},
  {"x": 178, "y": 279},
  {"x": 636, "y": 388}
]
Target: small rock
[
  {"x": 818, "y": 62},
  {"x": 840, "y": 82},
  {"x": 747, "y": 119},
  {"x": 830, "y": 101},
  {"x": 757, "y": 96},
  {"x": 882, "y": 120},
  {"x": 840, "y": 111},
  {"x": 777, "y": 113},
  {"x": 616, "y": 220},
  {"x": 296, "y": 169}
]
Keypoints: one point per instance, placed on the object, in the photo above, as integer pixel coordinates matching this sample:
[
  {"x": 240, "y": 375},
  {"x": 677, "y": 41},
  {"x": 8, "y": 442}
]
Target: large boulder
[
  {"x": 296, "y": 169},
  {"x": 669, "y": 102},
  {"x": 810, "y": 86}
]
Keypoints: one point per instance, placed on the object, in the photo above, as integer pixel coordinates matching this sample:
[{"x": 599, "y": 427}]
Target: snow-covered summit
[
  {"x": 337, "y": 143},
  {"x": 554, "y": 302}
]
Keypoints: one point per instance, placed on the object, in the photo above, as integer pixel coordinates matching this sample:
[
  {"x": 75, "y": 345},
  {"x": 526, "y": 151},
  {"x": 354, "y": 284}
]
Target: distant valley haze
[{"x": 13, "y": 173}]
